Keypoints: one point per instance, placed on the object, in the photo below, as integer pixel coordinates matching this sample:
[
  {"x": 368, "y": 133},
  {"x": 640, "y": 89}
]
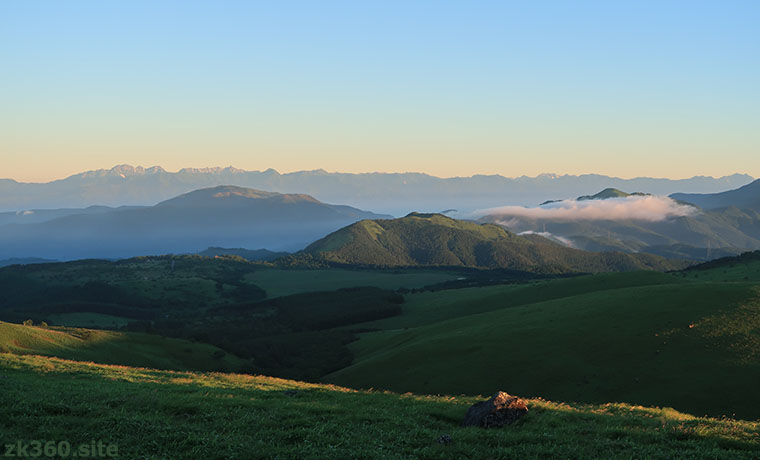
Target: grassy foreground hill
[
  {"x": 435, "y": 239},
  {"x": 110, "y": 347},
  {"x": 153, "y": 414}
]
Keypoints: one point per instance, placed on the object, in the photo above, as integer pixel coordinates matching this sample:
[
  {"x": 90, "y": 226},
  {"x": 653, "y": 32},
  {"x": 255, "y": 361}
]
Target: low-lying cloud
[
  {"x": 647, "y": 208},
  {"x": 561, "y": 239}
]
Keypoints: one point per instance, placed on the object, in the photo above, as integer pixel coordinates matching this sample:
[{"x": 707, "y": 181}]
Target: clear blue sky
[{"x": 627, "y": 88}]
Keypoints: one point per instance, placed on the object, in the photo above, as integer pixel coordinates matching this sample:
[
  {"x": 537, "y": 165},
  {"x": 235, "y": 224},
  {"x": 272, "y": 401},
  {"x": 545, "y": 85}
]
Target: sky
[{"x": 659, "y": 88}]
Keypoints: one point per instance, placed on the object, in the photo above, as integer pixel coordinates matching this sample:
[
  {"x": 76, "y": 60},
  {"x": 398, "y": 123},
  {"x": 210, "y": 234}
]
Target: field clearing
[
  {"x": 278, "y": 283},
  {"x": 181, "y": 415}
]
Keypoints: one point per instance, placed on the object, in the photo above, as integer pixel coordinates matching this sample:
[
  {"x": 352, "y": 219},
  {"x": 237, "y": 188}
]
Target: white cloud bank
[{"x": 647, "y": 208}]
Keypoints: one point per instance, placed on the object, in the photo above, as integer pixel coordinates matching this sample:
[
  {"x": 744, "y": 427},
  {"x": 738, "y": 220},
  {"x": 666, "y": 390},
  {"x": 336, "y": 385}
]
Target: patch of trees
[
  {"x": 742, "y": 258},
  {"x": 302, "y": 336},
  {"x": 319, "y": 310}
]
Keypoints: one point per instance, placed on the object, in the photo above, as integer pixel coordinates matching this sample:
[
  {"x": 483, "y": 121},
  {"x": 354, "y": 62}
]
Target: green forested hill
[{"x": 434, "y": 239}]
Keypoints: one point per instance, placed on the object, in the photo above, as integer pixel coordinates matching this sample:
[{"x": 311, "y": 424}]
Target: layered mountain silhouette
[
  {"x": 33, "y": 216},
  {"x": 391, "y": 193},
  {"x": 438, "y": 240},
  {"x": 726, "y": 223},
  {"x": 224, "y": 216},
  {"x": 747, "y": 197}
]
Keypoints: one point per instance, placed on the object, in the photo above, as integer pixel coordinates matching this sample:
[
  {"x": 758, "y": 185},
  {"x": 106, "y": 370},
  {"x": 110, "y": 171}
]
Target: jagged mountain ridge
[{"x": 391, "y": 193}]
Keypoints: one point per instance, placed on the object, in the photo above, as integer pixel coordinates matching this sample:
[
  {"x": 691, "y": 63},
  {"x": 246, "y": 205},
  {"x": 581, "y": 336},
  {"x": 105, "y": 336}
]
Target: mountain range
[
  {"x": 389, "y": 193},
  {"x": 225, "y": 216},
  {"x": 694, "y": 226}
]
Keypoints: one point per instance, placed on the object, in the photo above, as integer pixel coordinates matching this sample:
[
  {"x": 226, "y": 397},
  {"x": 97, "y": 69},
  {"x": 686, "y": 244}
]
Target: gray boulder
[{"x": 502, "y": 409}]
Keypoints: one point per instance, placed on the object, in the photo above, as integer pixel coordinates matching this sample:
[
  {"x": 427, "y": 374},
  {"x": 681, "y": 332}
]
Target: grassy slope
[
  {"x": 130, "y": 349},
  {"x": 747, "y": 272},
  {"x": 151, "y": 414},
  {"x": 744, "y": 267},
  {"x": 431, "y": 307},
  {"x": 579, "y": 344}
]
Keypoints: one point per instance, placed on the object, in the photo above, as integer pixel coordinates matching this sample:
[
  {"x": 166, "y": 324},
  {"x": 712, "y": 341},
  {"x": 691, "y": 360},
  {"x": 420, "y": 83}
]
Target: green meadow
[
  {"x": 643, "y": 338},
  {"x": 629, "y": 355},
  {"x": 428, "y": 307},
  {"x": 150, "y": 414},
  {"x": 728, "y": 271}
]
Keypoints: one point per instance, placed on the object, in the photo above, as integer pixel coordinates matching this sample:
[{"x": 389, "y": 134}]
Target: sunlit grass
[
  {"x": 111, "y": 347},
  {"x": 188, "y": 415}
]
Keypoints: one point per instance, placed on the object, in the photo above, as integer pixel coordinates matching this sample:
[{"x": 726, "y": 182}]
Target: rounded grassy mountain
[
  {"x": 435, "y": 239},
  {"x": 608, "y": 193},
  {"x": 230, "y": 195}
]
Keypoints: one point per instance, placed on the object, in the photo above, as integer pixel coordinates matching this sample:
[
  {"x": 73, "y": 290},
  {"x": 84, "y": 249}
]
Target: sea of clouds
[{"x": 647, "y": 208}]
